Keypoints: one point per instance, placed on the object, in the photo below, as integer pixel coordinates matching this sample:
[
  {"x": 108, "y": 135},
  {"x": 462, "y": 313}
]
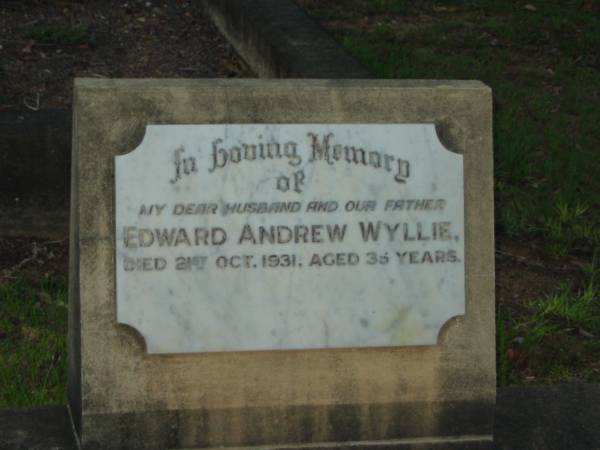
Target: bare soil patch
[
  {"x": 45, "y": 44},
  {"x": 33, "y": 260}
]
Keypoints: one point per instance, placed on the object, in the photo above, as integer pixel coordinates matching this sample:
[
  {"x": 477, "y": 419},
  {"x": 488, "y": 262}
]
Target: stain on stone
[
  {"x": 172, "y": 437},
  {"x": 344, "y": 422},
  {"x": 305, "y": 425}
]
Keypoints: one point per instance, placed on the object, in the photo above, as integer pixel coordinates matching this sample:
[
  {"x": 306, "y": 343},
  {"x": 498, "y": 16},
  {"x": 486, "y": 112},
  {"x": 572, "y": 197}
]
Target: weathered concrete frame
[{"x": 395, "y": 397}]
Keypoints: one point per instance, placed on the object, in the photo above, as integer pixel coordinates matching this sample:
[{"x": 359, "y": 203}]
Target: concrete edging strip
[
  {"x": 35, "y": 159},
  {"x": 278, "y": 40}
]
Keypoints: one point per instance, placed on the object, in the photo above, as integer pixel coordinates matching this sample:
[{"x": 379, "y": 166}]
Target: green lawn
[
  {"x": 542, "y": 64},
  {"x": 33, "y": 355},
  {"x": 552, "y": 339}
]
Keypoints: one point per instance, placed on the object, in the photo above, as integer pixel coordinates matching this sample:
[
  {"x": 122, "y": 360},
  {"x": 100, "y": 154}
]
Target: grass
[
  {"x": 59, "y": 34},
  {"x": 33, "y": 330},
  {"x": 555, "y": 339},
  {"x": 543, "y": 68}
]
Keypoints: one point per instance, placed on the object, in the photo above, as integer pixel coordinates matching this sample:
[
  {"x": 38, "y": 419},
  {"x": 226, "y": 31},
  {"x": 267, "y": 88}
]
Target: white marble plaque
[{"x": 296, "y": 236}]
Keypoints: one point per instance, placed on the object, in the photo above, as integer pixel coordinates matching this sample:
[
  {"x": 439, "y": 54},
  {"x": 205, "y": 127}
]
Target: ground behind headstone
[{"x": 44, "y": 46}]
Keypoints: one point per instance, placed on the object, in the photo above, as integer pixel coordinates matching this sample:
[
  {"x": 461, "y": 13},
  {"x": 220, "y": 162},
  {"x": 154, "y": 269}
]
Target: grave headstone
[{"x": 282, "y": 263}]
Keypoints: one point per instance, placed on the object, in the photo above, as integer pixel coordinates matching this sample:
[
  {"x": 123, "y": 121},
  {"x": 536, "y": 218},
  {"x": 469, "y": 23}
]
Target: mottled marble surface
[{"x": 177, "y": 237}]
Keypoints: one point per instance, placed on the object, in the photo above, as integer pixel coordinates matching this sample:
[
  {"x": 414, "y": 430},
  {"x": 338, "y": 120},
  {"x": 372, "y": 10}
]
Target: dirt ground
[
  {"x": 45, "y": 44},
  {"x": 522, "y": 273}
]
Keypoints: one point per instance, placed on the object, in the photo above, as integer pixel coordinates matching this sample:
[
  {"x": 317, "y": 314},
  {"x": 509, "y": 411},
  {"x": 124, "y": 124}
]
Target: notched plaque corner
[
  {"x": 136, "y": 138},
  {"x": 448, "y": 327},
  {"x": 450, "y": 136},
  {"x": 133, "y": 334}
]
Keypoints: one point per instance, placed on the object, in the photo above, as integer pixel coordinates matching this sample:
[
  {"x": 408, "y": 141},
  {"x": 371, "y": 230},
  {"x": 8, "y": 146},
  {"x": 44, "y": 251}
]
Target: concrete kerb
[
  {"x": 35, "y": 155},
  {"x": 278, "y": 40}
]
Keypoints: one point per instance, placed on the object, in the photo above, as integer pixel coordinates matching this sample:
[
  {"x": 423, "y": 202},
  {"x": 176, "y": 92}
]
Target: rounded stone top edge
[{"x": 377, "y": 83}]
